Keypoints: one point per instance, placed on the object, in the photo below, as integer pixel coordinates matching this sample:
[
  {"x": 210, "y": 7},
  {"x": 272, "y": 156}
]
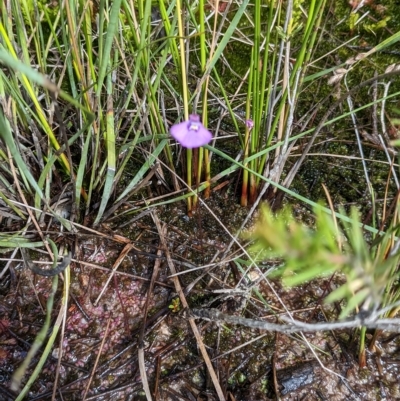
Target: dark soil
[{"x": 250, "y": 364}]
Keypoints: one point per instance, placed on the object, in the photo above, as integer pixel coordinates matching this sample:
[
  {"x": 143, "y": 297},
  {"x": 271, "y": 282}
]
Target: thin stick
[
  {"x": 192, "y": 323},
  {"x": 142, "y": 366},
  {"x": 296, "y": 325},
  {"x": 274, "y": 377},
  {"x": 121, "y": 257},
  {"x": 97, "y": 358}
]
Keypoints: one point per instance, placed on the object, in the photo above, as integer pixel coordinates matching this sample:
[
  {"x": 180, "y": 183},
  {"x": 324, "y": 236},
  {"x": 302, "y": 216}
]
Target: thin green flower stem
[
  {"x": 182, "y": 59},
  {"x": 189, "y": 154},
  {"x": 256, "y": 96},
  {"x": 257, "y": 111},
  {"x": 224, "y": 40},
  {"x": 203, "y": 153},
  {"x": 189, "y": 158},
  {"x": 199, "y": 153},
  {"x": 202, "y": 38},
  {"x": 264, "y": 105},
  {"x": 246, "y": 146}
]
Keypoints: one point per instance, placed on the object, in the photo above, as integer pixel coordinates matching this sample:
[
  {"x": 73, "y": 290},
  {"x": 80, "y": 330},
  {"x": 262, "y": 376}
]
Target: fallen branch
[{"x": 370, "y": 321}]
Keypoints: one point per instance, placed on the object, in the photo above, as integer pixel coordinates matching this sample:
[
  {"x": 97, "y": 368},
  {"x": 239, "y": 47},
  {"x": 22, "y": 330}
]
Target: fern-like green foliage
[{"x": 370, "y": 270}]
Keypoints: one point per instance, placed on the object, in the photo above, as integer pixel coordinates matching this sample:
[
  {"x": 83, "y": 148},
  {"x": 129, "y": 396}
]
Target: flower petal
[
  {"x": 249, "y": 124},
  {"x": 195, "y": 139},
  {"x": 191, "y": 134},
  {"x": 178, "y": 131}
]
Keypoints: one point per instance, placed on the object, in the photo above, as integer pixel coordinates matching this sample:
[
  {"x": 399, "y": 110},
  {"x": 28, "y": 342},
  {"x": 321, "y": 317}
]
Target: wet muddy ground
[{"x": 105, "y": 319}]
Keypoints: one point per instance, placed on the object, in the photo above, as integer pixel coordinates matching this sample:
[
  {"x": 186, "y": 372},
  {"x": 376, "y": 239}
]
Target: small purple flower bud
[
  {"x": 249, "y": 124},
  {"x": 191, "y": 134}
]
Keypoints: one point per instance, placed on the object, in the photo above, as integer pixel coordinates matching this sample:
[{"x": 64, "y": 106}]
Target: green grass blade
[
  {"x": 288, "y": 191},
  {"x": 110, "y": 37},
  {"x": 142, "y": 171},
  {"x": 225, "y": 40},
  {"x": 110, "y": 146},
  {"x": 41, "y": 335},
  {"x": 5, "y": 134},
  {"x": 37, "y": 343}
]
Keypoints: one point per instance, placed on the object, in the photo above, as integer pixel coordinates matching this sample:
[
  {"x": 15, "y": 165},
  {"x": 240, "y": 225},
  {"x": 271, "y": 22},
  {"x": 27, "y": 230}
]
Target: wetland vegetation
[{"x": 263, "y": 265}]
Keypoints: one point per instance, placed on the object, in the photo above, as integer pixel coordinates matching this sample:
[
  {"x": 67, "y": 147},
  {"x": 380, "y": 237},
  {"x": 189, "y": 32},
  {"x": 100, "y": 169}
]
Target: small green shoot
[
  {"x": 309, "y": 254},
  {"x": 175, "y": 305}
]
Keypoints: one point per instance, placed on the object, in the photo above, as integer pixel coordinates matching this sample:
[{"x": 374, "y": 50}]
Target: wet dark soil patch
[{"x": 250, "y": 364}]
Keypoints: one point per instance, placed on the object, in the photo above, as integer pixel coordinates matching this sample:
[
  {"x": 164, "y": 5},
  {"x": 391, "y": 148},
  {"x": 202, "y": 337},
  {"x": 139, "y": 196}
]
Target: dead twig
[
  {"x": 97, "y": 359},
  {"x": 142, "y": 366},
  {"x": 359, "y": 320},
  {"x": 192, "y": 323}
]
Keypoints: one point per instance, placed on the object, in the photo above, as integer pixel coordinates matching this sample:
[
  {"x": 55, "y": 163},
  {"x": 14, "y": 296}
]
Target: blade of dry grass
[
  {"x": 192, "y": 323},
  {"x": 142, "y": 365},
  {"x": 97, "y": 358},
  {"x": 119, "y": 260}
]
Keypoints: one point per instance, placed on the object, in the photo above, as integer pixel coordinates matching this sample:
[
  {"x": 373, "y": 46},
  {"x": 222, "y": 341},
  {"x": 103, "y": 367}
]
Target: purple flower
[
  {"x": 249, "y": 124},
  {"x": 191, "y": 134}
]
